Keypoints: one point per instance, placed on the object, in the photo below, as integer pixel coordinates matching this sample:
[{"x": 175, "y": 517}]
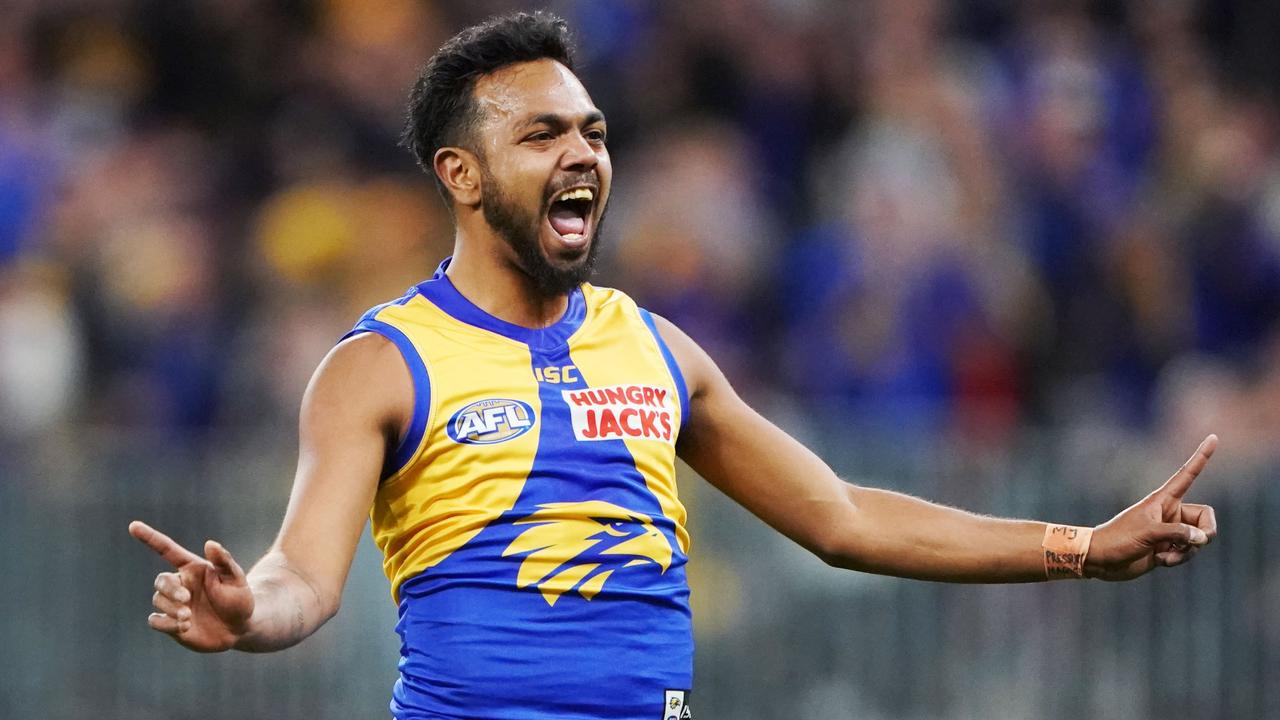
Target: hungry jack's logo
[
  {"x": 580, "y": 544},
  {"x": 621, "y": 412}
]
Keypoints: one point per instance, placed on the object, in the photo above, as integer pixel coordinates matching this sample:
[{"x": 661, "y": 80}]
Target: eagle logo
[{"x": 580, "y": 544}]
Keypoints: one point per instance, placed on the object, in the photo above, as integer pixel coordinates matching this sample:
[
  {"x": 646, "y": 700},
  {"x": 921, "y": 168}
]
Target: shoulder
[
  {"x": 364, "y": 364},
  {"x": 598, "y": 298},
  {"x": 695, "y": 366},
  {"x": 602, "y": 301},
  {"x": 376, "y": 343},
  {"x": 699, "y": 370},
  {"x": 360, "y": 351},
  {"x": 388, "y": 314},
  {"x": 364, "y": 379}
]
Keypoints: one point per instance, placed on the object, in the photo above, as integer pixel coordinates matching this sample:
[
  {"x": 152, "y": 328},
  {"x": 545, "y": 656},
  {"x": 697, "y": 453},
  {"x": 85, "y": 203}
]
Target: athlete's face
[{"x": 545, "y": 172}]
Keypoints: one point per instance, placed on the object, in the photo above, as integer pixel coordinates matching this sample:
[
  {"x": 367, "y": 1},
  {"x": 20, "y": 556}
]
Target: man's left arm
[{"x": 880, "y": 531}]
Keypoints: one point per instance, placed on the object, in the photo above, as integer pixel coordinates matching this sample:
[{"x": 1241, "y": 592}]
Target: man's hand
[
  {"x": 206, "y": 604},
  {"x": 1158, "y": 530}
]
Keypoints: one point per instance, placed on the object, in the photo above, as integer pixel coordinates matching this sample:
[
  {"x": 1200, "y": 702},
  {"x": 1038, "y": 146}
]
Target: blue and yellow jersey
[{"x": 529, "y": 519}]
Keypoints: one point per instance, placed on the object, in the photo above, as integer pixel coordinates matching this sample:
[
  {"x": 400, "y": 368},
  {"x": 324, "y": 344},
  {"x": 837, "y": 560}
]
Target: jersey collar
[{"x": 442, "y": 293}]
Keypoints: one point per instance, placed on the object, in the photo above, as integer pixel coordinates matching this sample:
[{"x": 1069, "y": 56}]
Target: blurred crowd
[{"x": 953, "y": 219}]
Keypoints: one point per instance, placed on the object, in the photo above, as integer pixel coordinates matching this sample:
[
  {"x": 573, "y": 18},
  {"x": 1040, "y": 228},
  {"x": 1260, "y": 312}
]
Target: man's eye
[
  {"x": 541, "y": 136},
  {"x": 595, "y": 135}
]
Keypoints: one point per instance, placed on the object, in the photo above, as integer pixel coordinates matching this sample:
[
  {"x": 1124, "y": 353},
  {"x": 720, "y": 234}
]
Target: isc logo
[{"x": 490, "y": 421}]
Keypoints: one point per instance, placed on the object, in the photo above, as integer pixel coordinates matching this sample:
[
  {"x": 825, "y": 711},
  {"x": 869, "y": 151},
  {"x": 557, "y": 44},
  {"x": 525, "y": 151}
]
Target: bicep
[
  {"x": 753, "y": 461},
  {"x": 350, "y": 409}
]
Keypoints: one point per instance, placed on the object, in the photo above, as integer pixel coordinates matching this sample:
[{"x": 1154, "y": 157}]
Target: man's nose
[{"x": 579, "y": 154}]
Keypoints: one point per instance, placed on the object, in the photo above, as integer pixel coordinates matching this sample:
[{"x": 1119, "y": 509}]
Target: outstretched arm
[
  {"x": 355, "y": 407},
  {"x": 880, "y": 531}
]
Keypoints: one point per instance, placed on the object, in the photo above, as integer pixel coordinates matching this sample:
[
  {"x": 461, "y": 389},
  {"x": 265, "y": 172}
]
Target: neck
[{"x": 487, "y": 275}]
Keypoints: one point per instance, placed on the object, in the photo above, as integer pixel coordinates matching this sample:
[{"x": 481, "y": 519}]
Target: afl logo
[{"x": 490, "y": 421}]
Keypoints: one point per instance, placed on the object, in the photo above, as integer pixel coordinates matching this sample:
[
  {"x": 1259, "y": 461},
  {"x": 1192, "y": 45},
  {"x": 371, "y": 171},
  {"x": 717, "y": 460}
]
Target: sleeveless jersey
[{"x": 529, "y": 520}]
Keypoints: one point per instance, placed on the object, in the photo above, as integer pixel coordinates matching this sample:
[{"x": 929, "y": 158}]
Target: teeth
[{"x": 576, "y": 194}]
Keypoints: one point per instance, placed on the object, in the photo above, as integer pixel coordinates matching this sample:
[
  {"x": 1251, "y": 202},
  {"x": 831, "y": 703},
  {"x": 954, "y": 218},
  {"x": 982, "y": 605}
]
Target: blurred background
[{"x": 1014, "y": 256}]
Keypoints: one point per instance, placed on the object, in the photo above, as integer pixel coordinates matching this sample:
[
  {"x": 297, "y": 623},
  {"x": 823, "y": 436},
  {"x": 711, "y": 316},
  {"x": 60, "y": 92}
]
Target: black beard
[{"x": 520, "y": 231}]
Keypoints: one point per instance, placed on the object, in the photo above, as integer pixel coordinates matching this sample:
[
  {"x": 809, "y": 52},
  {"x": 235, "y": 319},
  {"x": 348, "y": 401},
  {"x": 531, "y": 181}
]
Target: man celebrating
[{"x": 513, "y": 431}]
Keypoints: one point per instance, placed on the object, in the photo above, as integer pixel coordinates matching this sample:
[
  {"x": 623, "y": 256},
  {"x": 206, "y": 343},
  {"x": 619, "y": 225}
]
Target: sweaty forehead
[{"x": 514, "y": 93}]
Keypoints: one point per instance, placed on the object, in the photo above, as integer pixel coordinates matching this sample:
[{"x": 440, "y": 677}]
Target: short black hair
[{"x": 442, "y": 109}]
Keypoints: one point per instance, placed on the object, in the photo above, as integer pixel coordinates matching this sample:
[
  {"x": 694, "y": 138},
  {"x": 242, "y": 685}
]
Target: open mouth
[{"x": 569, "y": 213}]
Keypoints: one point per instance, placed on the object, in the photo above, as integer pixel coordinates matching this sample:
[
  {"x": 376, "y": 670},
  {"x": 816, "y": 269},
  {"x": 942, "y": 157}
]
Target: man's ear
[{"x": 459, "y": 170}]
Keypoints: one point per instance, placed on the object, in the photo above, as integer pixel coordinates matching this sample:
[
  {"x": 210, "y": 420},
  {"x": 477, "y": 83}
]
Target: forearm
[
  {"x": 288, "y": 606},
  {"x": 894, "y": 534}
]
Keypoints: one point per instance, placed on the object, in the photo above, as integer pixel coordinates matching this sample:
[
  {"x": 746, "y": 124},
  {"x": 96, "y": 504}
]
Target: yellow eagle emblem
[{"x": 580, "y": 544}]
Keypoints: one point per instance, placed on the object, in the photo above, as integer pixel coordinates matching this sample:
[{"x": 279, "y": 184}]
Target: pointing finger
[
  {"x": 1177, "y": 485},
  {"x": 162, "y": 544}
]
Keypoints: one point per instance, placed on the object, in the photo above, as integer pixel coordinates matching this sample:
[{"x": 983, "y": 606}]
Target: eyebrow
[{"x": 560, "y": 123}]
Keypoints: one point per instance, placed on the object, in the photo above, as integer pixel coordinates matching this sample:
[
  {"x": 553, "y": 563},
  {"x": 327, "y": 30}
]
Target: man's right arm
[{"x": 357, "y": 406}]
